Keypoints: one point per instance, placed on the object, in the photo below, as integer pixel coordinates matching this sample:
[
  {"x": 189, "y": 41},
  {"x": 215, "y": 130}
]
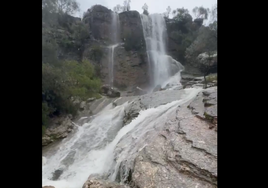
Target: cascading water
[
  {"x": 100, "y": 145},
  {"x": 114, "y": 39},
  {"x": 161, "y": 65}
]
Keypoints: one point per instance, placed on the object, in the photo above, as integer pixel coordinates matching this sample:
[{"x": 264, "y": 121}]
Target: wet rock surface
[
  {"x": 189, "y": 81},
  {"x": 59, "y": 128},
  {"x": 183, "y": 154},
  {"x": 180, "y": 150},
  {"x": 99, "y": 183}
]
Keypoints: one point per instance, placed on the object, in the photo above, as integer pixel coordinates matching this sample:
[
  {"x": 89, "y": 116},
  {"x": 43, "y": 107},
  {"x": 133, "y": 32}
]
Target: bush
[
  {"x": 45, "y": 113},
  {"x": 206, "y": 41},
  {"x": 70, "y": 79},
  {"x": 96, "y": 53},
  {"x": 49, "y": 51}
]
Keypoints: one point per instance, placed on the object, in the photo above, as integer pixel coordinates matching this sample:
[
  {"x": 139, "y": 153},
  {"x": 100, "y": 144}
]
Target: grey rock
[
  {"x": 110, "y": 91},
  {"x": 46, "y": 140},
  {"x": 56, "y": 174},
  {"x": 99, "y": 183},
  {"x": 59, "y": 128},
  {"x": 82, "y": 105}
]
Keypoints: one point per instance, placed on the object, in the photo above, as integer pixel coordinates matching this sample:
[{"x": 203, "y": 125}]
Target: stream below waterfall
[{"x": 102, "y": 143}]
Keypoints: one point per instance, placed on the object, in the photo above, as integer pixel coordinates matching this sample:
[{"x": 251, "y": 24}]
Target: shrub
[
  {"x": 71, "y": 78},
  {"x": 96, "y": 53}
]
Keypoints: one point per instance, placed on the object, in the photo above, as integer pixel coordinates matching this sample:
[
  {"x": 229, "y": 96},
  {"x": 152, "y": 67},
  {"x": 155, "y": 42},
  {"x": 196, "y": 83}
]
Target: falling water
[
  {"x": 115, "y": 25},
  {"x": 161, "y": 65},
  {"x": 111, "y": 63}
]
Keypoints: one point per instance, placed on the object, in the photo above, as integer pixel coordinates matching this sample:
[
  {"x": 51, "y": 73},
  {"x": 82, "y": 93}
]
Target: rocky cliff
[{"x": 130, "y": 67}]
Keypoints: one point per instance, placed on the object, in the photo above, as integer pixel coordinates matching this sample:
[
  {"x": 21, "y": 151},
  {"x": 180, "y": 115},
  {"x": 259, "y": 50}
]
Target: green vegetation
[
  {"x": 64, "y": 78},
  {"x": 62, "y": 82},
  {"x": 211, "y": 77},
  {"x": 96, "y": 53}
]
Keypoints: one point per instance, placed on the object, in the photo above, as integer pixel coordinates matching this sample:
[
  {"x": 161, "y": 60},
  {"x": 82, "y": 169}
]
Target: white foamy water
[
  {"x": 111, "y": 63},
  {"x": 99, "y": 146},
  {"x": 114, "y": 35},
  {"x": 161, "y": 66}
]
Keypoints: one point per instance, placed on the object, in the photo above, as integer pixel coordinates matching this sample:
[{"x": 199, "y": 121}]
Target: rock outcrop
[
  {"x": 131, "y": 31},
  {"x": 58, "y": 129},
  {"x": 99, "y": 19},
  {"x": 183, "y": 154},
  {"x": 130, "y": 67}
]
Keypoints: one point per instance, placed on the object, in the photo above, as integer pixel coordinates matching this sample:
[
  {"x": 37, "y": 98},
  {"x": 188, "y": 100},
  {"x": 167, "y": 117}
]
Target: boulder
[
  {"x": 110, "y": 91},
  {"x": 56, "y": 174}
]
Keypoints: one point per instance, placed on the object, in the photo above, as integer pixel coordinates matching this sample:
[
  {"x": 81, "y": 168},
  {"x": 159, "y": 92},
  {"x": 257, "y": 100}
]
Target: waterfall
[
  {"x": 103, "y": 142},
  {"x": 111, "y": 63},
  {"x": 161, "y": 65},
  {"x": 115, "y": 25}
]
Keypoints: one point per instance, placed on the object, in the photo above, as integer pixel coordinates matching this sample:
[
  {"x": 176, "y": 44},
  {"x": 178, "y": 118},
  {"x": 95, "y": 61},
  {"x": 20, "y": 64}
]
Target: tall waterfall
[
  {"x": 115, "y": 25},
  {"x": 161, "y": 65}
]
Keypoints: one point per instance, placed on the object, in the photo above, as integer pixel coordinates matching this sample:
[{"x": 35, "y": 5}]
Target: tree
[
  {"x": 49, "y": 9},
  {"x": 213, "y": 17},
  {"x": 145, "y": 9},
  {"x": 181, "y": 14},
  {"x": 67, "y": 6},
  {"x": 126, "y": 6},
  {"x": 49, "y": 5},
  {"x": 118, "y": 8},
  {"x": 205, "y": 44},
  {"x": 201, "y": 12},
  {"x": 167, "y": 12},
  {"x": 60, "y": 6},
  {"x": 214, "y": 13}
]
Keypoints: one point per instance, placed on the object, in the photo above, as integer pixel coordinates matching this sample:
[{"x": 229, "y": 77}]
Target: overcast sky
[{"x": 154, "y": 6}]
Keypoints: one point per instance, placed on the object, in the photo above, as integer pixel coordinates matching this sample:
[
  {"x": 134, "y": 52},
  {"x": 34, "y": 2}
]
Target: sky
[{"x": 154, "y": 6}]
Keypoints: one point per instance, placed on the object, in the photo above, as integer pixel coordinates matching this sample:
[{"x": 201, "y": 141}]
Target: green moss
[{"x": 211, "y": 78}]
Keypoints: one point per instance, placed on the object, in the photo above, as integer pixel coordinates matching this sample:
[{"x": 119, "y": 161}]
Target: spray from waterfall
[{"x": 161, "y": 65}]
